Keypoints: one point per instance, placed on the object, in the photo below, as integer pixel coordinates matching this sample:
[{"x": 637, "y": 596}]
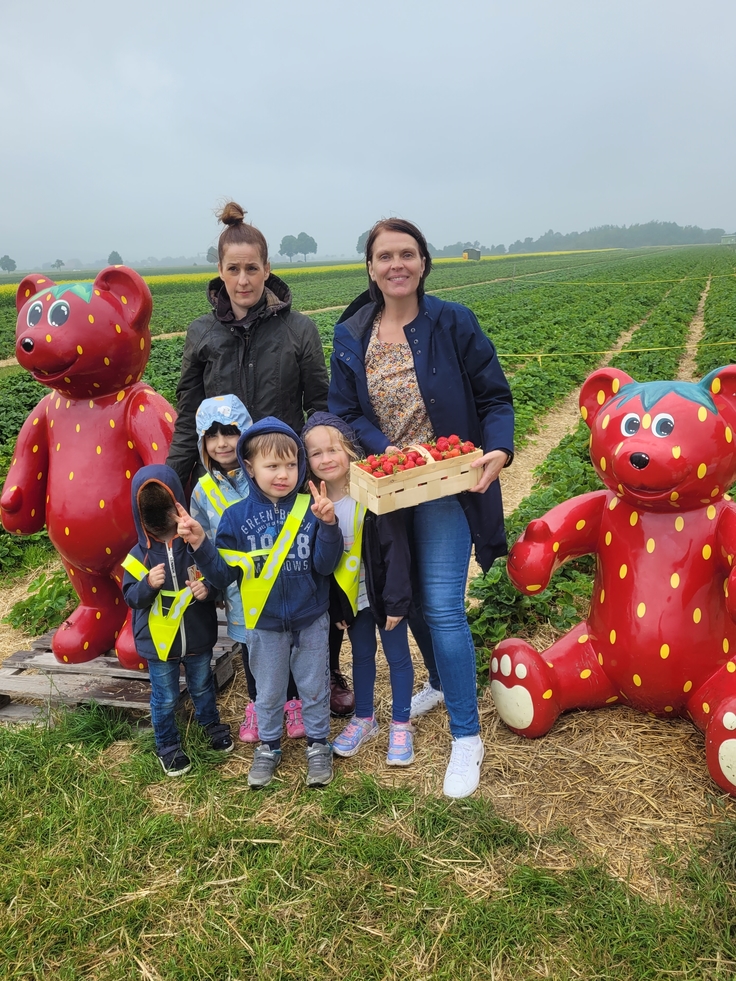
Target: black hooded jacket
[{"x": 272, "y": 360}]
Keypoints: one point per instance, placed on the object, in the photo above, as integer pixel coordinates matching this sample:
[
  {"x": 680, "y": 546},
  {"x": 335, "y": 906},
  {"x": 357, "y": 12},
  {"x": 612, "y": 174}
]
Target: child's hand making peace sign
[{"x": 323, "y": 507}]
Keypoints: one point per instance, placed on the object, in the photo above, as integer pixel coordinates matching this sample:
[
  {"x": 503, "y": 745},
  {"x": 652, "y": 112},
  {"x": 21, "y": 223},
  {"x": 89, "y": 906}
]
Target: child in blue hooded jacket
[
  {"x": 174, "y": 618},
  {"x": 221, "y": 421},
  {"x": 281, "y": 551}
]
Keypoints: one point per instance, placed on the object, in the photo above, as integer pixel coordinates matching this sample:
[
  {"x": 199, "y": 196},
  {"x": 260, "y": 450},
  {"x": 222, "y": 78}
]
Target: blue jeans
[
  {"x": 362, "y": 634},
  {"x": 165, "y": 696},
  {"x": 442, "y": 543}
]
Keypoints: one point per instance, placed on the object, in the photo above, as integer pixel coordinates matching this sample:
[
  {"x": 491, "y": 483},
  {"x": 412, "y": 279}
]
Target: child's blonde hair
[{"x": 345, "y": 444}]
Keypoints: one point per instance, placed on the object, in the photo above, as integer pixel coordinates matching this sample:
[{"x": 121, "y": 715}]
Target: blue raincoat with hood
[
  {"x": 198, "y": 630},
  {"x": 300, "y": 594},
  {"x": 233, "y": 486}
]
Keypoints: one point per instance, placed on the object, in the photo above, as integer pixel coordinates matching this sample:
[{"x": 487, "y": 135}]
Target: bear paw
[
  {"x": 87, "y": 633},
  {"x": 720, "y": 746},
  {"x": 522, "y": 688}
]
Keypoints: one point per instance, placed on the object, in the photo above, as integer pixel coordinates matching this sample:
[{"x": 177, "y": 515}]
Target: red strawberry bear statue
[
  {"x": 660, "y": 635},
  {"x": 78, "y": 450}
]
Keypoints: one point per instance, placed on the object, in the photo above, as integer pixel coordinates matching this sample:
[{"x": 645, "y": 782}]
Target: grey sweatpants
[{"x": 306, "y": 653}]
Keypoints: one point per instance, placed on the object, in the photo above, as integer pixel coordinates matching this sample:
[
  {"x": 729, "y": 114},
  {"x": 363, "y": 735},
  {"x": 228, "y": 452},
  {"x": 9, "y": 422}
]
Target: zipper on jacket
[{"x": 172, "y": 570}]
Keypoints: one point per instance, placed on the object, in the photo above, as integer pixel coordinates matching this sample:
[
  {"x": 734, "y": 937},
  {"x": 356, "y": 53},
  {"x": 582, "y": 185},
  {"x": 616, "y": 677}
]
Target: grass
[{"x": 109, "y": 870}]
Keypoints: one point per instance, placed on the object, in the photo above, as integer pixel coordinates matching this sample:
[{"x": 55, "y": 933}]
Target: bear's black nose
[
  {"x": 639, "y": 460},
  {"x": 27, "y": 345}
]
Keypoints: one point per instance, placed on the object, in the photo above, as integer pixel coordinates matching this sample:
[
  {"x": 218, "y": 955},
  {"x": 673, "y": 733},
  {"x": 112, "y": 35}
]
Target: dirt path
[{"x": 688, "y": 370}]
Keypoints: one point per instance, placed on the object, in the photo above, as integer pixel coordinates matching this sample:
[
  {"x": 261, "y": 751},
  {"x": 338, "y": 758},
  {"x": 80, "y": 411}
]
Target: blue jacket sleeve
[
  {"x": 328, "y": 548},
  {"x": 493, "y": 401},
  {"x": 211, "y": 563},
  {"x": 138, "y": 593}
]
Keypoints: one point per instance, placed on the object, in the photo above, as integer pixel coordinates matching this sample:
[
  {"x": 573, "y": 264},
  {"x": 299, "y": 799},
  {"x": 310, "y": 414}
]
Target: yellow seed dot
[
  {"x": 687, "y": 686},
  {"x": 547, "y": 694},
  {"x": 676, "y": 452},
  {"x": 586, "y": 673},
  {"x": 91, "y": 404},
  {"x": 600, "y": 397},
  {"x": 600, "y": 659},
  {"x": 697, "y": 615},
  {"x": 711, "y": 512},
  {"x": 91, "y": 319},
  {"x": 603, "y": 596},
  {"x": 154, "y": 446},
  {"x": 102, "y": 504},
  {"x": 48, "y": 338},
  {"x": 715, "y": 492},
  {"x": 112, "y": 424},
  {"x": 729, "y": 434},
  {"x": 123, "y": 299},
  {"x": 167, "y": 417},
  {"x": 603, "y": 464},
  {"x": 107, "y": 361},
  {"x": 534, "y": 589},
  {"x": 97, "y": 293},
  {"x": 79, "y": 349},
  {"x": 78, "y": 427},
  {"x": 555, "y": 546},
  {"x": 142, "y": 408},
  {"x": 651, "y": 544},
  {"x": 637, "y": 680},
  {"x": 85, "y": 645},
  {"x": 707, "y": 551},
  {"x": 58, "y": 403},
  {"x": 668, "y": 708},
  {"x": 612, "y": 504},
  {"x": 98, "y": 615},
  {"x": 118, "y": 328},
  {"x": 706, "y": 708},
  {"x": 633, "y": 518},
  {"x": 120, "y": 396},
  {"x": 612, "y": 636},
  {"x": 94, "y": 589},
  {"x": 725, "y": 645},
  {"x": 127, "y": 474},
  {"x": 583, "y": 412},
  {"x": 109, "y": 551},
  {"x": 679, "y": 523},
  {"x": 702, "y": 470},
  {"x": 66, "y": 531},
  {"x": 702, "y": 413},
  {"x": 99, "y": 450},
  {"x": 71, "y": 475},
  {"x": 715, "y": 386},
  {"x": 641, "y": 610},
  {"x": 142, "y": 344},
  {"x": 65, "y": 657},
  {"x": 646, "y": 421},
  {"x": 582, "y": 638},
  {"x": 731, "y": 667},
  {"x": 615, "y": 385},
  {"x": 608, "y": 538},
  {"x": 674, "y": 496},
  {"x": 128, "y": 379},
  {"x": 58, "y": 447},
  {"x": 606, "y": 420},
  {"x": 39, "y": 475},
  {"x": 674, "y": 580},
  {"x": 33, "y": 512},
  {"x": 580, "y": 525},
  {"x": 613, "y": 698},
  {"x": 622, "y": 571}
]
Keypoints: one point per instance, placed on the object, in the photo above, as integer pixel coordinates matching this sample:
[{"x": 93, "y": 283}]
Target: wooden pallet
[{"x": 35, "y": 674}]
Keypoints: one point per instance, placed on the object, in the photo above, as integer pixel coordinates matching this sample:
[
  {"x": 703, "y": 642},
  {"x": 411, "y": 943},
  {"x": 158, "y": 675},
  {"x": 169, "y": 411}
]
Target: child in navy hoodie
[
  {"x": 174, "y": 619},
  {"x": 282, "y": 551}
]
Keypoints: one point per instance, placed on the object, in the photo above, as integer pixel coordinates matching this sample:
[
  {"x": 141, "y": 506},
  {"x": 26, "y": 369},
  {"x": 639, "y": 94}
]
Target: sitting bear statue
[
  {"x": 660, "y": 636},
  {"x": 78, "y": 450}
]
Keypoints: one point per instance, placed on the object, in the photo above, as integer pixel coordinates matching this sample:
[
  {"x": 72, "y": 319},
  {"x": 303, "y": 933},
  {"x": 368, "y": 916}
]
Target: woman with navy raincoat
[{"x": 408, "y": 368}]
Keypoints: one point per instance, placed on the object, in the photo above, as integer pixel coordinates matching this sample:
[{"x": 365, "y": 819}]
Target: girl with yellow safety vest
[
  {"x": 373, "y": 586},
  {"x": 220, "y": 421}
]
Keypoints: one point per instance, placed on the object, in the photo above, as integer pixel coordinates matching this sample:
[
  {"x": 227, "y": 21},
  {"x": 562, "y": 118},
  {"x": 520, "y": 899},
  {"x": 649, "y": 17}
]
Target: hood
[
  {"x": 273, "y": 425},
  {"x": 276, "y": 299},
  {"x": 163, "y": 475},
  {"x": 228, "y": 410}
]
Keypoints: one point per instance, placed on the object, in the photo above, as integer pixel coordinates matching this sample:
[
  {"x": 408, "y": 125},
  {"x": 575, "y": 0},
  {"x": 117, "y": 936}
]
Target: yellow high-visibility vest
[
  {"x": 163, "y": 626},
  {"x": 347, "y": 573},
  {"x": 255, "y": 589},
  {"x": 214, "y": 495}
]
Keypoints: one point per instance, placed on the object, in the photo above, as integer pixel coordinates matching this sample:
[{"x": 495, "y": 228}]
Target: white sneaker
[
  {"x": 425, "y": 700},
  {"x": 463, "y": 771}
]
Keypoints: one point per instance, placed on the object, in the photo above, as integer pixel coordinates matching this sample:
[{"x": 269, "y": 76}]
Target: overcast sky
[{"x": 124, "y": 124}]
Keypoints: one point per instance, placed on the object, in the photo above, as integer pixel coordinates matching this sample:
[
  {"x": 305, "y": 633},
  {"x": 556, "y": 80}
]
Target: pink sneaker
[
  {"x": 294, "y": 722},
  {"x": 249, "y": 728}
]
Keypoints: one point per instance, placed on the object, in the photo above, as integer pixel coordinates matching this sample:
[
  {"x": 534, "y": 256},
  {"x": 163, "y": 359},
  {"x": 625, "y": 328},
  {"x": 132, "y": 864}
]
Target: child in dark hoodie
[
  {"x": 282, "y": 553},
  {"x": 174, "y": 620}
]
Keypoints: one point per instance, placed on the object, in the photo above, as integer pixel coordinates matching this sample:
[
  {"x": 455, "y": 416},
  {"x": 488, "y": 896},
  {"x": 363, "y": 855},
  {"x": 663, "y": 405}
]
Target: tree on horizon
[{"x": 114, "y": 259}]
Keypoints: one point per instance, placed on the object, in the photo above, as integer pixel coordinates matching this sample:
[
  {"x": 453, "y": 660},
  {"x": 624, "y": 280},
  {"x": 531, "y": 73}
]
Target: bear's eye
[
  {"x": 59, "y": 313},
  {"x": 663, "y": 424},
  {"x": 35, "y": 312},
  {"x": 630, "y": 424}
]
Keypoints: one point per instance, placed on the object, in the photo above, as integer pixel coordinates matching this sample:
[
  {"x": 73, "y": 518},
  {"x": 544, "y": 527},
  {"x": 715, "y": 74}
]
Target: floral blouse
[{"x": 394, "y": 392}]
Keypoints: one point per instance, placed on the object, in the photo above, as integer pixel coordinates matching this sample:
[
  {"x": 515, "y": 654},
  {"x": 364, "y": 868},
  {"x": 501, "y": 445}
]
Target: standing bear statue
[
  {"x": 660, "y": 636},
  {"x": 78, "y": 450}
]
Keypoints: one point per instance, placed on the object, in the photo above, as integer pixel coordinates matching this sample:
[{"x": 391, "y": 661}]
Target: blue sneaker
[
  {"x": 355, "y": 733},
  {"x": 400, "y": 744}
]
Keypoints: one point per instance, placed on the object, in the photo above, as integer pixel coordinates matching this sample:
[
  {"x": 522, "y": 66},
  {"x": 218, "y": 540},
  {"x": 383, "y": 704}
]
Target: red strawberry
[
  {"x": 453, "y": 440},
  {"x": 421, "y": 462},
  {"x": 394, "y": 459},
  {"x": 435, "y": 454},
  {"x": 409, "y": 465},
  {"x": 468, "y": 447},
  {"x": 455, "y": 451},
  {"x": 365, "y": 466},
  {"x": 378, "y": 473},
  {"x": 442, "y": 444},
  {"x": 388, "y": 467}
]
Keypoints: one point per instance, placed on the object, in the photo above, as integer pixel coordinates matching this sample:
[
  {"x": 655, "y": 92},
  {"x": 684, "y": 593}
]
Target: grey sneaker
[
  {"x": 265, "y": 763},
  {"x": 319, "y": 765},
  {"x": 425, "y": 700}
]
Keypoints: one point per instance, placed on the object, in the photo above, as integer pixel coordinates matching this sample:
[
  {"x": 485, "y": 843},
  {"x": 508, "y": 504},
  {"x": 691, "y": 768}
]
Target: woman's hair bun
[{"x": 231, "y": 213}]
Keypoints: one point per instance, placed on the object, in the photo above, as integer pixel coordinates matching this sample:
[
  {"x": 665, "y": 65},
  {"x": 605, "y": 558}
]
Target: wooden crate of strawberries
[{"x": 421, "y": 472}]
